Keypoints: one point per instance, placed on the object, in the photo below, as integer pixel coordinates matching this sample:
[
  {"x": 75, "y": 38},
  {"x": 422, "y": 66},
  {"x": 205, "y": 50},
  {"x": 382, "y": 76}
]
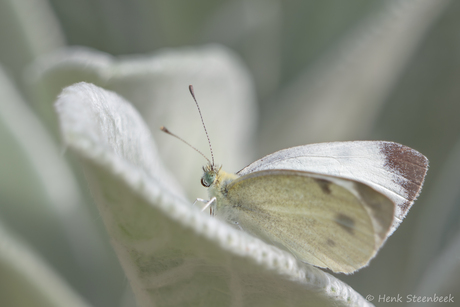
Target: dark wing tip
[{"x": 409, "y": 167}]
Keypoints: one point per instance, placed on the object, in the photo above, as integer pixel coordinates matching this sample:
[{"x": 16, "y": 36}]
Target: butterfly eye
[
  {"x": 208, "y": 179},
  {"x": 204, "y": 182}
]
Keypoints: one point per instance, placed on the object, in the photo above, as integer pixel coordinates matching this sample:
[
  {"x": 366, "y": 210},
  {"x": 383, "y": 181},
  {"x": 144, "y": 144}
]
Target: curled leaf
[{"x": 172, "y": 253}]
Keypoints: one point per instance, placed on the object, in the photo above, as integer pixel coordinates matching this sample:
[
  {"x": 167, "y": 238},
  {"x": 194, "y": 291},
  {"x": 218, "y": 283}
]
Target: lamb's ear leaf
[
  {"x": 171, "y": 252},
  {"x": 28, "y": 281},
  {"x": 436, "y": 245},
  {"x": 375, "y": 53},
  {"x": 441, "y": 277},
  {"x": 41, "y": 201},
  {"x": 29, "y": 29},
  {"x": 157, "y": 85}
]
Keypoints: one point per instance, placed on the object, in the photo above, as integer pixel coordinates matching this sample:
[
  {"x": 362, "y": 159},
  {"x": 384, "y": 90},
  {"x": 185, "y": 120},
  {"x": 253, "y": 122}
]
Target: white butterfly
[{"x": 332, "y": 205}]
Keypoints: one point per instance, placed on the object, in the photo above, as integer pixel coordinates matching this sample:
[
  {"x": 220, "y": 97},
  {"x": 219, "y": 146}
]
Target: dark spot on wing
[
  {"x": 330, "y": 242},
  {"x": 324, "y": 185},
  {"x": 346, "y": 222}
]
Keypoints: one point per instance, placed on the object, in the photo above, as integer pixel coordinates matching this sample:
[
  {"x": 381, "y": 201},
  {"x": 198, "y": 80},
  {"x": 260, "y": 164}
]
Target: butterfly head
[{"x": 210, "y": 175}]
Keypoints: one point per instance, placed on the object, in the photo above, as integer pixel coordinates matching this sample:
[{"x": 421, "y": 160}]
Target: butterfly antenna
[
  {"x": 164, "y": 129},
  {"x": 190, "y": 87}
]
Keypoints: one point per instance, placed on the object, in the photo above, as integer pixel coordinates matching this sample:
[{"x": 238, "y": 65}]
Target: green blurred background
[{"x": 323, "y": 71}]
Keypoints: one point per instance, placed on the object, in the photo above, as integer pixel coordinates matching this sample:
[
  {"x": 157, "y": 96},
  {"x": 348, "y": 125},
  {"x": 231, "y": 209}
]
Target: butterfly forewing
[
  {"x": 323, "y": 220},
  {"x": 394, "y": 170}
]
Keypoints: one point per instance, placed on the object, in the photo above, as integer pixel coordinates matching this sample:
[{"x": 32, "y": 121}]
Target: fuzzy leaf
[
  {"x": 28, "y": 281},
  {"x": 28, "y": 28},
  {"x": 340, "y": 96},
  {"x": 172, "y": 253},
  {"x": 157, "y": 85},
  {"x": 42, "y": 202}
]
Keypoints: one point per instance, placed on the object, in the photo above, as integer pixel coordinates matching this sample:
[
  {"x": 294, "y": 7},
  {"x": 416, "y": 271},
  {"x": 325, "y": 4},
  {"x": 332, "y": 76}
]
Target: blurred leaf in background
[{"x": 285, "y": 72}]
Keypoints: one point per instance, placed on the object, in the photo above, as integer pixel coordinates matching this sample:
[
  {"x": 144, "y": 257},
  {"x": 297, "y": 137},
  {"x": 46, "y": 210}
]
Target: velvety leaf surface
[
  {"x": 26, "y": 280},
  {"x": 172, "y": 253},
  {"x": 157, "y": 85}
]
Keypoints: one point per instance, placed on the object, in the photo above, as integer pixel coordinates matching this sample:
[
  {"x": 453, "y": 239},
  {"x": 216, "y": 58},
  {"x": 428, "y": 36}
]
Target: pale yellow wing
[{"x": 326, "y": 221}]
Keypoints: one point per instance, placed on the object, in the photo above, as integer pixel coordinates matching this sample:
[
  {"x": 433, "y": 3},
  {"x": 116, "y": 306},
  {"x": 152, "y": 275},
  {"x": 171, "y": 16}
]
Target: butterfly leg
[
  {"x": 207, "y": 204},
  {"x": 201, "y": 200}
]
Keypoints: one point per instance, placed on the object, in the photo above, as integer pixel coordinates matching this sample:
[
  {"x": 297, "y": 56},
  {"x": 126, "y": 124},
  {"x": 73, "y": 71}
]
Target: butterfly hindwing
[{"x": 323, "y": 220}]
